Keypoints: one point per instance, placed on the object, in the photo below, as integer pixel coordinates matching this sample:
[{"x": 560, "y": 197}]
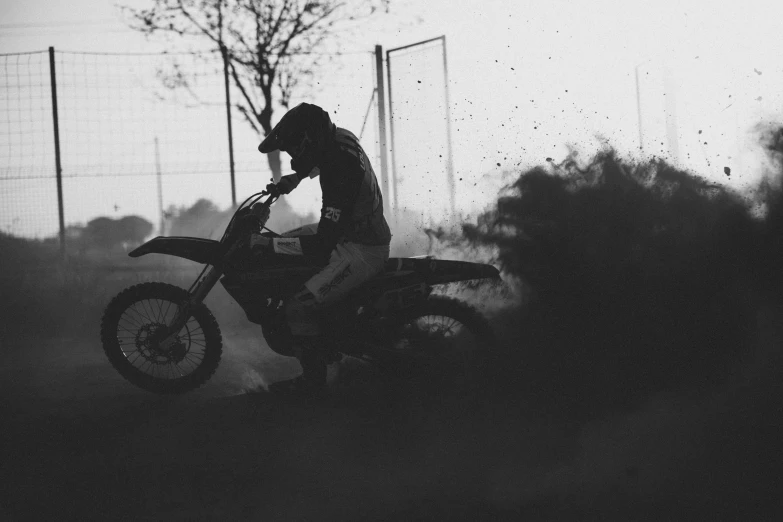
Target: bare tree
[{"x": 271, "y": 46}]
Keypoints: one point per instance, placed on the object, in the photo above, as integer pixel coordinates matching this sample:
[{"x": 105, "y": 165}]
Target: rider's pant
[{"x": 350, "y": 265}]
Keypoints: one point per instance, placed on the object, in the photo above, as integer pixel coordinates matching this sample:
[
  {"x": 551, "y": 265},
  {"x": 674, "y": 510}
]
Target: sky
[{"x": 527, "y": 80}]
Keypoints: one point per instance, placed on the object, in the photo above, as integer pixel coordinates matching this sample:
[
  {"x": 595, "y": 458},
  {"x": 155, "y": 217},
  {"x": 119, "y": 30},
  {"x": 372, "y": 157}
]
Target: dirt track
[
  {"x": 85, "y": 444},
  {"x": 82, "y": 444}
]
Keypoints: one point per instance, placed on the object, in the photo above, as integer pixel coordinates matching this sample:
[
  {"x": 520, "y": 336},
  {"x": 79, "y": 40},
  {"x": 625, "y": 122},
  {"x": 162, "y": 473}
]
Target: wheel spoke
[
  {"x": 140, "y": 314},
  {"x": 161, "y": 317},
  {"x": 155, "y": 311},
  {"x": 131, "y": 334},
  {"x": 167, "y": 310},
  {"x": 150, "y": 310},
  {"x": 140, "y": 309},
  {"x": 191, "y": 338},
  {"x": 194, "y": 358},
  {"x": 451, "y": 322},
  {"x": 194, "y": 365},
  {"x": 129, "y": 318}
]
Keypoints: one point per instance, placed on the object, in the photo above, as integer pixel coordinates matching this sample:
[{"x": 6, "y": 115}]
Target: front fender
[{"x": 200, "y": 250}]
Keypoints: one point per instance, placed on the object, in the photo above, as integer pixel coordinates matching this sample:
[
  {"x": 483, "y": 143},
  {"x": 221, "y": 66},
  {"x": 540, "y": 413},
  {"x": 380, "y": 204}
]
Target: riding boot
[
  {"x": 329, "y": 339},
  {"x": 312, "y": 382},
  {"x": 313, "y": 361},
  {"x": 306, "y": 338}
]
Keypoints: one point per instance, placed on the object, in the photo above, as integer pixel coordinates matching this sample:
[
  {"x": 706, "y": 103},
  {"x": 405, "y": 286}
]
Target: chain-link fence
[
  {"x": 27, "y": 183},
  {"x": 129, "y": 120},
  {"x": 142, "y": 133}
]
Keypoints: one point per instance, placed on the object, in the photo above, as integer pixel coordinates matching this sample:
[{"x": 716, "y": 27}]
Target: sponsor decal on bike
[
  {"x": 288, "y": 246},
  {"x": 339, "y": 278}
]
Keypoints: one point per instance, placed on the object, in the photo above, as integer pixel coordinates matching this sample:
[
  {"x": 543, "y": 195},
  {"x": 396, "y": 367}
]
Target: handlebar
[
  {"x": 272, "y": 191},
  {"x": 249, "y": 205}
]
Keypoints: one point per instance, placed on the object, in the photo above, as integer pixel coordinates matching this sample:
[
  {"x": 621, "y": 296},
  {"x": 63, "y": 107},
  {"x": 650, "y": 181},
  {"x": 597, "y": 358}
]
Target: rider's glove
[{"x": 288, "y": 183}]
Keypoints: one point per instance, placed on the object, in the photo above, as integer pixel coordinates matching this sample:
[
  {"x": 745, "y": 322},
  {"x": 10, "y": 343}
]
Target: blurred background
[{"x": 143, "y": 128}]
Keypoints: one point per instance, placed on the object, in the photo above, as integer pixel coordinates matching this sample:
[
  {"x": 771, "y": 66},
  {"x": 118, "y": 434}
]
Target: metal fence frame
[
  {"x": 379, "y": 95},
  {"x": 449, "y": 152}
]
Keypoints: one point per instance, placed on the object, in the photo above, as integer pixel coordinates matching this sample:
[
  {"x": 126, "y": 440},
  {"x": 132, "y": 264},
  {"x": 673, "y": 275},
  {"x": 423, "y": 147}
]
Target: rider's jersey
[{"x": 352, "y": 208}]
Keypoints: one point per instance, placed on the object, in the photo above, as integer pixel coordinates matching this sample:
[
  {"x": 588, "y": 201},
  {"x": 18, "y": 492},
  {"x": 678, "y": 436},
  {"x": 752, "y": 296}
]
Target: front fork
[
  {"x": 199, "y": 292},
  {"x": 197, "y": 296}
]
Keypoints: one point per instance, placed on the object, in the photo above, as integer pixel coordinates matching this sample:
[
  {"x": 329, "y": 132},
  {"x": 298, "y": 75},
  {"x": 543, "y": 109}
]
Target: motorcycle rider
[{"x": 352, "y": 238}]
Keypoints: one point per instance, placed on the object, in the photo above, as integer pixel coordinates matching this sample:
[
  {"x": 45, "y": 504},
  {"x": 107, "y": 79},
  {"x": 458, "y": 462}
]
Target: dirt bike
[{"x": 164, "y": 339}]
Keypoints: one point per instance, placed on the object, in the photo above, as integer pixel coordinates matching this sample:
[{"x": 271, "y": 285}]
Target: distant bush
[
  {"x": 205, "y": 219},
  {"x": 106, "y": 234},
  {"x": 202, "y": 219}
]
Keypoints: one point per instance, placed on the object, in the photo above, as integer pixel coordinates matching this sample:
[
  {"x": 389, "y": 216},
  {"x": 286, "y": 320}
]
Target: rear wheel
[
  {"x": 134, "y": 324},
  {"x": 443, "y": 338}
]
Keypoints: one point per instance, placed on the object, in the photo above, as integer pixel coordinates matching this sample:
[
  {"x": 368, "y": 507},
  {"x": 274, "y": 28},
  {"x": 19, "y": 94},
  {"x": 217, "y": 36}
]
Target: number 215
[{"x": 332, "y": 213}]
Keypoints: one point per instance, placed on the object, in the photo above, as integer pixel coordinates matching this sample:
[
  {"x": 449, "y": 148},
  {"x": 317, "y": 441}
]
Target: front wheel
[{"x": 135, "y": 322}]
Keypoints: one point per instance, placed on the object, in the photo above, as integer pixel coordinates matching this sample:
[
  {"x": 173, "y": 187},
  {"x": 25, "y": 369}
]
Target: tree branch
[
  {"x": 242, "y": 89},
  {"x": 193, "y": 21},
  {"x": 261, "y": 39},
  {"x": 251, "y": 121}
]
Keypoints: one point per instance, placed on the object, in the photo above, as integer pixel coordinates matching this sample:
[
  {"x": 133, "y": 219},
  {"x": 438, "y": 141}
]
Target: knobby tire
[{"x": 110, "y": 324}]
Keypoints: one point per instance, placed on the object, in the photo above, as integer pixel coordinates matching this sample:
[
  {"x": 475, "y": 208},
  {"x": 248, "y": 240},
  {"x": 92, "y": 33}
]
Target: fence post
[
  {"x": 450, "y": 157},
  {"x": 224, "y": 52},
  {"x": 160, "y": 188},
  {"x": 382, "y": 127},
  {"x": 639, "y": 109},
  {"x": 58, "y": 164},
  {"x": 391, "y": 132}
]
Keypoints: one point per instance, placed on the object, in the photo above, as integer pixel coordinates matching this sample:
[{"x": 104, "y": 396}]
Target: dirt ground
[{"x": 80, "y": 443}]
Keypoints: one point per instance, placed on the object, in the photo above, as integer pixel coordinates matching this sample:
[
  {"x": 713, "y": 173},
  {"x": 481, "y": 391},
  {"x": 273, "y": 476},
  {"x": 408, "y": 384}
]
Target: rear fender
[
  {"x": 440, "y": 271},
  {"x": 200, "y": 250}
]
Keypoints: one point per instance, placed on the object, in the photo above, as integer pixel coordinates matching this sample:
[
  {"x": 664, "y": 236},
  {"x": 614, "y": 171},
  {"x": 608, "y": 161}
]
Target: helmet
[{"x": 303, "y": 132}]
